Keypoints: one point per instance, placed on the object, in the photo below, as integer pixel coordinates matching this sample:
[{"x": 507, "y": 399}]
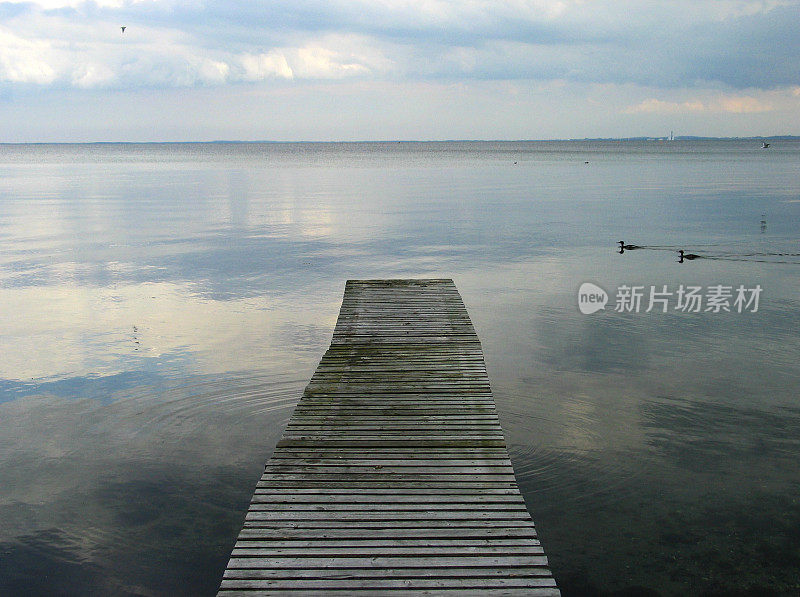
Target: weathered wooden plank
[
  {"x": 473, "y": 532},
  {"x": 386, "y": 463},
  {"x": 475, "y": 500},
  {"x": 344, "y": 573},
  {"x": 396, "y": 417},
  {"x": 340, "y": 454},
  {"x": 372, "y": 543},
  {"x": 383, "y": 469},
  {"x": 352, "y": 426},
  {"x": 368, "y": 516},
  {"x": 483, "y": 592},
  {"x": 393, "y": 485},
  {"x": 369, "y": 551},
  {"x": 335, "y": 506},
  {"x": 406, "y": 523},
  {"x": 423, "y": 443},
  {"x": 390, "y": 583},
  {"x": 491, "y": 493},
  {"x": 392, "y": 475},
  {"x": 381, "y": 561}
]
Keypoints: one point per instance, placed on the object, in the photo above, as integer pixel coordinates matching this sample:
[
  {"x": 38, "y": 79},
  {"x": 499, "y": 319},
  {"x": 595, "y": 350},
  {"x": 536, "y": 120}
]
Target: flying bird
[{"x": 123, "y": 28}]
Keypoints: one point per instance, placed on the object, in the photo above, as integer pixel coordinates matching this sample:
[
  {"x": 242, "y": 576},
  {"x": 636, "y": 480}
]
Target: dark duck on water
[
  {"x": 623, "y": 247},
  {"x": 687, "y": 256}
]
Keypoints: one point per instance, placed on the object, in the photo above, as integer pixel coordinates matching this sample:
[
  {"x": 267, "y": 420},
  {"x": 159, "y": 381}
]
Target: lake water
[{"x": 163, "y": 306}]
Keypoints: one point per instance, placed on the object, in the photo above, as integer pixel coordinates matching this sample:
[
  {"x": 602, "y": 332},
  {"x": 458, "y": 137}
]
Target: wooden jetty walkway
[{"x": 392, "y": 477}]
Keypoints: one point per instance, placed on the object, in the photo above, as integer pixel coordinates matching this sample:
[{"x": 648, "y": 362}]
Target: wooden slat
[{"x": 392, "y": 476}]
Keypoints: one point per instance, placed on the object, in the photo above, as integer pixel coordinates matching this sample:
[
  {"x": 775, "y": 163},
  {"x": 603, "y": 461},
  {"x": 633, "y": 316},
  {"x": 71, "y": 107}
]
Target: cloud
[
  {"x": 51, "y": 5},
  {"x": 653, "y": 105},
  {"x": 75, "y": 49},
  {"x": 263, "y": 66},
  {"x": 92, "y": 75},
  {"x": 731, "y": 104},
  {"x": 743, "y": 105},
  {"x": 25, "y": 61},
  {"x": 680, "y": 44}
]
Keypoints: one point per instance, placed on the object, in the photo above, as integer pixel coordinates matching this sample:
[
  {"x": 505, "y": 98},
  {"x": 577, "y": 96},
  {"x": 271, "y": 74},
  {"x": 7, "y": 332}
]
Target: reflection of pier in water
[{"x": 392, "y": 474}]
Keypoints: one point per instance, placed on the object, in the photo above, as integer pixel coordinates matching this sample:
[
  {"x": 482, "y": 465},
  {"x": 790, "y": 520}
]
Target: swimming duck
[
  {"x": 622, "y": 246},
  {"x": 688, "y": 256}
]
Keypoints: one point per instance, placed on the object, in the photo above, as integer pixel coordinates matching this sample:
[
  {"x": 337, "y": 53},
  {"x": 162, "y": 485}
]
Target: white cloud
[
  {"x": 701, "y": 60},
  {"x": 264, "y": 66},
  {"x": 336, "y": 57},
  {"x": 58, "y": 4},
  {"x": 657, "y": 106},
  {"x": 319, "y": 62},
  {"x": 25, "y": 61},
  {"x": 92, "y": 75},
  {"x": 212, "y": 71},
  {"x": 734, "y": 104},
  {"x": 65, "y": 51},
  {"x": 742, "y": 105},
  {"x": 466, "y": 12},
  {"x": 171, "y": 43}
]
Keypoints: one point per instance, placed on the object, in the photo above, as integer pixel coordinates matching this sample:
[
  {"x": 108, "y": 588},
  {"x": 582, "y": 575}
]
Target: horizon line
[{"x": 362, "y": 141}]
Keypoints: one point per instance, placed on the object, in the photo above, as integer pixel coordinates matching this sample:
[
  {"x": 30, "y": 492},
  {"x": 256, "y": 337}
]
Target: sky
[{"x": 294, "y": 70}]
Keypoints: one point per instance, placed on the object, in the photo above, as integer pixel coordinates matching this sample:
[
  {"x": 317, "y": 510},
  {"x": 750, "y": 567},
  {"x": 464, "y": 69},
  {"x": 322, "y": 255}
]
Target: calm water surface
[{"x": 162, "y": 307}]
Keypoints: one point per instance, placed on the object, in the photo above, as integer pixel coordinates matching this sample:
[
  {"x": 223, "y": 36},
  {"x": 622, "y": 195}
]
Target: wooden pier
[{"x": 392, "y": 476}]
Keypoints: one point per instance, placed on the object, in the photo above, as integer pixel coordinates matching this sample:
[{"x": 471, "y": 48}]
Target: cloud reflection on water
[{"x": 230, "y": 263}]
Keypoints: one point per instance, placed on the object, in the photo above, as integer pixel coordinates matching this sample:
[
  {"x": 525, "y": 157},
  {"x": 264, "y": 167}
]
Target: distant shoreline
[{"x": 264, "y": 142}]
